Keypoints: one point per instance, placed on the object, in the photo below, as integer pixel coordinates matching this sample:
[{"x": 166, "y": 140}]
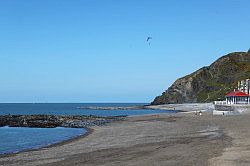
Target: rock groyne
[{"x": 51, "y": 121}]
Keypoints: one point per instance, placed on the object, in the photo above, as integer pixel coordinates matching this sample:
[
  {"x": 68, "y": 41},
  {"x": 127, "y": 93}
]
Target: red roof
[{"x": 237, "y": 94}]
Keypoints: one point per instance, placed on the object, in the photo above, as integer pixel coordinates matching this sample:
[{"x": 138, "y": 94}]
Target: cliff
[{"x": 208, "y": 83}]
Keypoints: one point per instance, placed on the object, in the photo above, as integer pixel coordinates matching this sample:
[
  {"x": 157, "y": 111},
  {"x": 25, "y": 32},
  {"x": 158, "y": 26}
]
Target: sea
[{"x": 16, "y": 139}]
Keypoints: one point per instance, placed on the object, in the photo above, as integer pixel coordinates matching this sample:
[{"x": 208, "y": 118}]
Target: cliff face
[{"x": 208, "y": 83}]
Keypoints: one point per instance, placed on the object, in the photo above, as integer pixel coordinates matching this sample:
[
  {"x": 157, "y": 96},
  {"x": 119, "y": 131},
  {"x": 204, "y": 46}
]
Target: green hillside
[{"x": 209, "y": 83}]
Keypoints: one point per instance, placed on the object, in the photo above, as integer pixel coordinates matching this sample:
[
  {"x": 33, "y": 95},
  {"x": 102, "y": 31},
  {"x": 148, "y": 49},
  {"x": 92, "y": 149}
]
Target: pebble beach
[{"x": 161, "y": 139}]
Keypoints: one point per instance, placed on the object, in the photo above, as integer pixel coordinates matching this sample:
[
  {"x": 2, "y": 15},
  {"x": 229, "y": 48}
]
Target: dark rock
[{"x": 51, "y": 121}]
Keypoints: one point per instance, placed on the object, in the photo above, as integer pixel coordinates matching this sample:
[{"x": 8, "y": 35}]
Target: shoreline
[
  {"x": 156, "y": 139},
  {"x": 88, "y": 132},
  {"x": 131, "y": 136},
  {"x": 91, "y": 130}
]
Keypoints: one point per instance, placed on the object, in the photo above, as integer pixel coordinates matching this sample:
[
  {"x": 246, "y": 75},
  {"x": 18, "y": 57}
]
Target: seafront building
[
  {"x": 244, "y": 86},
  {"x": 236, "y": 102},
  {"x": 237, "y": 97},
  {"x": 241, "y": 95}
]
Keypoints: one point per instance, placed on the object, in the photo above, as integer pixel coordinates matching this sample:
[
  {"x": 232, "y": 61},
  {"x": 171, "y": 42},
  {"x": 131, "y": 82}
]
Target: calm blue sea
[
  {"x": 14, "y": 139},
  {"x": 72, "y": 109}
]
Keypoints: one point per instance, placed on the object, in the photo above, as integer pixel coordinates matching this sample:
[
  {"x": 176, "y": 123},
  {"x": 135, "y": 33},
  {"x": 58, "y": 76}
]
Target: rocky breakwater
[{"x": 51, "y": 121}]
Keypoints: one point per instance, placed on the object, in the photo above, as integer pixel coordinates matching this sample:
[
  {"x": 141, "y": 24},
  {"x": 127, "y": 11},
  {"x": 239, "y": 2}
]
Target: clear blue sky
[{"x": 96, "y": 50}]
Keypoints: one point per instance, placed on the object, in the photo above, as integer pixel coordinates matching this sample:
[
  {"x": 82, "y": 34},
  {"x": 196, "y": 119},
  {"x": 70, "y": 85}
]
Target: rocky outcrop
[
  {"x": 208, "y": 83},
  {"x": 50, "y": 121}
]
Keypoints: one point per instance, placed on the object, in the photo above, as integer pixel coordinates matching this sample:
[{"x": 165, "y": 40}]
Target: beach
[
  {"x": 187, "y": 107},
  {"x": 163, "y": 139},
  {"x": 124, "y": 83}
]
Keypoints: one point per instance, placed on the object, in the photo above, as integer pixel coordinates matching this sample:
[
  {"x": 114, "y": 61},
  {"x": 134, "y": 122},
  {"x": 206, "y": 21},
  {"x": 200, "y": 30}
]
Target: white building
[
  {"x": 244, "y": 86},
  {"x": 237, "y": 97}
]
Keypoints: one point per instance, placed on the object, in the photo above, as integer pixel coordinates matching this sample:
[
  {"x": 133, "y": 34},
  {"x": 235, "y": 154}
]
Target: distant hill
[{"x": 208, "y": 83}]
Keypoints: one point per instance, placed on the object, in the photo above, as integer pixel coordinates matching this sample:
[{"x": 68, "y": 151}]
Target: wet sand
[{"x": 177, "y": 139}]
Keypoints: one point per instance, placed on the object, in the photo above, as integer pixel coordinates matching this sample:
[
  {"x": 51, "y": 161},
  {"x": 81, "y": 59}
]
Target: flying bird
[{"x": 149, "y": 40}]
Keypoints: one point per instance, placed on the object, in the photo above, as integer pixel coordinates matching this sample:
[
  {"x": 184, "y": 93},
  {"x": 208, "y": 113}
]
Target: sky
[{"x": 96, "y": 50}]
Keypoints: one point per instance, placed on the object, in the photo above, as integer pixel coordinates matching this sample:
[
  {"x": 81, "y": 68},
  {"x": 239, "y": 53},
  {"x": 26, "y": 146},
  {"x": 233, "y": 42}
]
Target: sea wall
[
  {"x": 50, "y": 121},
  {"x": 233, "y": 108}
]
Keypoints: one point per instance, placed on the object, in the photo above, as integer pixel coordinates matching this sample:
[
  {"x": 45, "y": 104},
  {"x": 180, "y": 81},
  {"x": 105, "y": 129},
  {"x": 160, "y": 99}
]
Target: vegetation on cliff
[{"x": 208, "y": 83}]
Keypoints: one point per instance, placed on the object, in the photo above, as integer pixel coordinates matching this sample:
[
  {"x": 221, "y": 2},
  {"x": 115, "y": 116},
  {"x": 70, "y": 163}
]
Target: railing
[
  {"x": 220, "y": 102},
  {"x": 225, "y": 102}
]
